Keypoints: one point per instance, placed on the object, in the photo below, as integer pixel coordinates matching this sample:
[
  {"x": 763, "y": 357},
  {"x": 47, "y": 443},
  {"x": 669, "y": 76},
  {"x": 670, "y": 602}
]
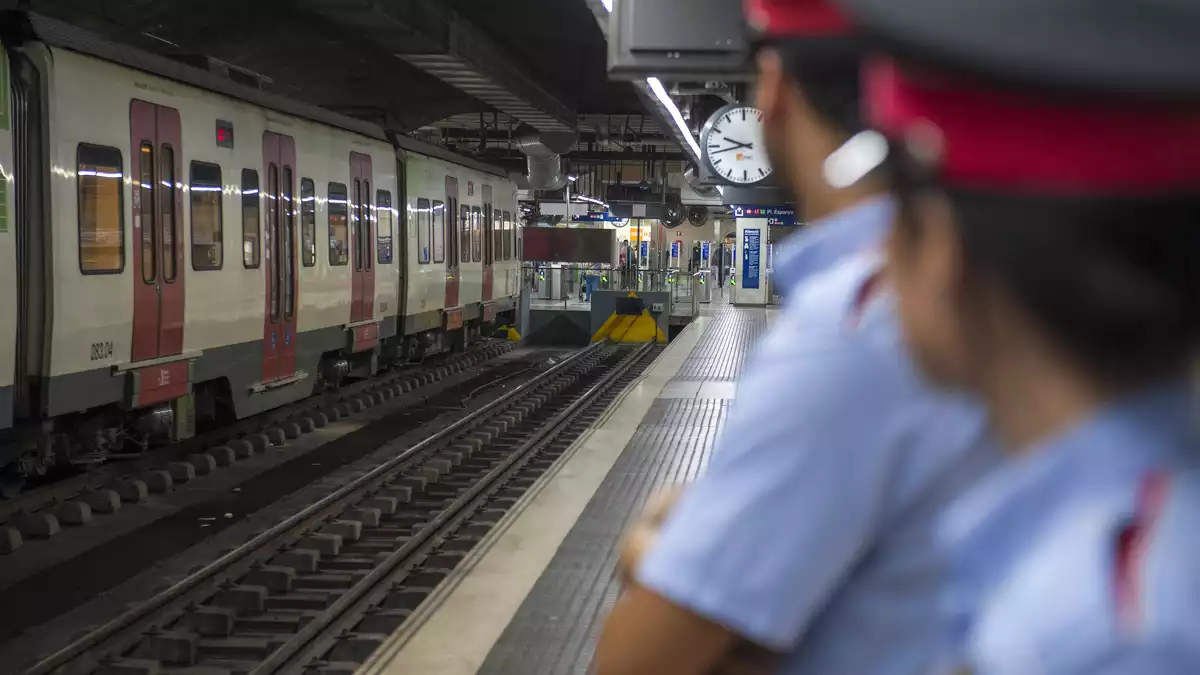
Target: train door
[
  {"x": 489, "y": 252},
  {"x": 452, "y": 265},
  {"x": 362, "y": 303},
  {"x": 158, "y": 281},
  {"x": 279, "y": 263}
]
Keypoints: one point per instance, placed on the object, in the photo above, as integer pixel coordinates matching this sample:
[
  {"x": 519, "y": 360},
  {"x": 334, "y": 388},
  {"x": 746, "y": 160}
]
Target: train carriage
[{"x": 186, "y": 247}]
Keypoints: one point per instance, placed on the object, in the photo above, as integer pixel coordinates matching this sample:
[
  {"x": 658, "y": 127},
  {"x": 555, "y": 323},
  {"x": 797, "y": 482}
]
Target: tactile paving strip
[
  {"x": 722, "y": 349},
  {"x": 555, "y": 630}
]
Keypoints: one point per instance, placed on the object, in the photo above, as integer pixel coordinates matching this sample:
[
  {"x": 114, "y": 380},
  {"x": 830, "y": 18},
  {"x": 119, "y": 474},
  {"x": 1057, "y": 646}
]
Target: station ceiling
[{"x": 513, "y": 62}]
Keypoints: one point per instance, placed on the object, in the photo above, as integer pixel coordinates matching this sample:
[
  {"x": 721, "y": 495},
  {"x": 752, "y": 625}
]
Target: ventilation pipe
[{"x": 543, "y": 158}]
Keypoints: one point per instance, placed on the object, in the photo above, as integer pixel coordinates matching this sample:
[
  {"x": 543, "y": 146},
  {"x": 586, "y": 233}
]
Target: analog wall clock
[{"x": 732, "y": 143}]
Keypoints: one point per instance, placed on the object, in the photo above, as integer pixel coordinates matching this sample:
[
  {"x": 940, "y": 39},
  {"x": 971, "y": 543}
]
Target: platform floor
[{"x": 532, "y": 599}]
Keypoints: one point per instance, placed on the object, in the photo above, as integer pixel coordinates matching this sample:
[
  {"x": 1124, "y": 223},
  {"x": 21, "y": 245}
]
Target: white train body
[{"x": 173, "y": 242}]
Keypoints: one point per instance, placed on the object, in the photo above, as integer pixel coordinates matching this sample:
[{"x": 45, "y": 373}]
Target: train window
[
  {"x": 207, "y": 242},
  {"x": 250, "y": 219},
  {"x": 273, "y": 239},
  {"x": 438, "y": 236},
  {"x": 464, "y": 230},
  {"x": 308, "y": 222},
  {"x": 508, "y": 226},
  {"x": 339, "y": 233},
  {"x": 476, "y": 238},
  {"x": 497, "y": 251},
  {"x": 368, "y": 222},
  {"x": 287, "y": 242},
  {"x": 383, "y": 205},
  {"x": 356, "y": 217},
  {"x": 423, "y": 230},
  {"x": 101, "y": 224},
  {"x": 169, "y": 243},
  {"x": 147, "y": 222}
]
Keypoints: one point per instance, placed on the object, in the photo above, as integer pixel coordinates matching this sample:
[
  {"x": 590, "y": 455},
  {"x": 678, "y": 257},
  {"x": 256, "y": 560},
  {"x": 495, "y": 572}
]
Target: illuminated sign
[{"x": 224, "y": 134}]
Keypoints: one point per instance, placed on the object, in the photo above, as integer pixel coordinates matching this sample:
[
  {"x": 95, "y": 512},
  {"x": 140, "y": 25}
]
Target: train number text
[{"x": 102, "y": 351}]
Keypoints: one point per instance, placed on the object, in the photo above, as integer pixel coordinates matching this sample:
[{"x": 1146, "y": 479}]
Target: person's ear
[{"x": 944, "y": 256}]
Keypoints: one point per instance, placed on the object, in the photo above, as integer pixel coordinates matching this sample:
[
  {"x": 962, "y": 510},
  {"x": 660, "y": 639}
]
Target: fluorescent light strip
[
  {"x": 657, "y": 87},
  {"x": 607, "y": 4}
]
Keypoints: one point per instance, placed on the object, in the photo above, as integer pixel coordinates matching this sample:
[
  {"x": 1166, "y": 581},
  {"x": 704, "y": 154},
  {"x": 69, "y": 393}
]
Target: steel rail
[
  {"x": 80, "y": 646},
  {"x": 281, "y": 658}
]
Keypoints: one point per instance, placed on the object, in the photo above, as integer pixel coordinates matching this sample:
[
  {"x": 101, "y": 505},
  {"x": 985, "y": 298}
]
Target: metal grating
[{"x": 556, "y": 628}]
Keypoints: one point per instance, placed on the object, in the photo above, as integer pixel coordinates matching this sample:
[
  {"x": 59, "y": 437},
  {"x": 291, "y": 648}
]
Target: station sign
[
  {"x": 776, "y": 216},
  {"x": 751, "y": 256},
  {"x": 595, "y": 217}
]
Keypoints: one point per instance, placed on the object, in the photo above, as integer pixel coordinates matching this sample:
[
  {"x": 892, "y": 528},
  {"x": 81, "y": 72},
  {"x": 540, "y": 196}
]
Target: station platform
[{"x": 532, "y": 598}]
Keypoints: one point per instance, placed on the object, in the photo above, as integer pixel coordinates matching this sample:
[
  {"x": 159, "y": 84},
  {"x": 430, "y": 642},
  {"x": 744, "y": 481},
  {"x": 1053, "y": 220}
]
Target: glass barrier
[{"x": 571, "y": 286}]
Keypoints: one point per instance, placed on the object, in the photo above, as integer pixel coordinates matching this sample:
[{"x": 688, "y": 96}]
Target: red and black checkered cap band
[{"x": 796, "y": 19}]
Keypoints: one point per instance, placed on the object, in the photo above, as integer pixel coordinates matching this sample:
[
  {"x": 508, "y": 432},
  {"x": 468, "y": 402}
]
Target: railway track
[
  {"x": 40, "y": 513},
  {"x": 319, "y": 591}
]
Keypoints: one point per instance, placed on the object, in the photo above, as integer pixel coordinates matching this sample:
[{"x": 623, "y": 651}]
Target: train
[{"x": 179, "y": 248}]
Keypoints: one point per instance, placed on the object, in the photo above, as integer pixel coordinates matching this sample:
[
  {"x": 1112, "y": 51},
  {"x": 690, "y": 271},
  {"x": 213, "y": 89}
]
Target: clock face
[{"x": 734, "y": 145}]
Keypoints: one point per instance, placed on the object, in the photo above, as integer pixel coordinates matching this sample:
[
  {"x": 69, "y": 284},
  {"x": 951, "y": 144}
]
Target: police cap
[
  {"x": 1032, "y": 96},
  {"x": 796, "y": 19},
  {"x": 1090, "y": 45}
]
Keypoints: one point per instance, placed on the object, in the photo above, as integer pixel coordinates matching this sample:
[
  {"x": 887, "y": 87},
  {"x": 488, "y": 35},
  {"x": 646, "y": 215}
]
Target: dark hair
[
  {"x": 828, "y": 71},
  {"x": 1114, "y": 281}
]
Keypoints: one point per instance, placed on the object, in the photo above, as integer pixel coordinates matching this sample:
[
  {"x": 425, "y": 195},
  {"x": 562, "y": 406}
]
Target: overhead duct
[{"x": 543, "y": 157}]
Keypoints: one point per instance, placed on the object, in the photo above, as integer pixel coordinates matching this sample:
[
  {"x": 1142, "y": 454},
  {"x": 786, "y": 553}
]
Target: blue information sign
[
  {"x": 596, "y": 217},
  {"x": 645, "y": 250},
  {"x": 704, "y": 250},
  {"x": 777, "y": 216},
  {"x": 674, "y": 249},
  {"x": 751, "y": 252}
]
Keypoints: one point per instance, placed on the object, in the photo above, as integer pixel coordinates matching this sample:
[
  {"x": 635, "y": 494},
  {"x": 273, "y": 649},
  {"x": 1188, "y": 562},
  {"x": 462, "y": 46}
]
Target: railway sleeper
[
  {"x": 254, "y": 649},
  {"x": 298, "y": 559},
  {"x": 382, "y": 621},
  {"x": 276, "y": 578},
  {"x": 326, "y": 581},
  {"x": 356, "y": 647},
  {"x": 307, "y": 601},
  {"x": 129, "y": 667},
  {"x": 241, "y": 599},
  {"x": 344, "y": 530},
  {"x": 288, "y": 623}
]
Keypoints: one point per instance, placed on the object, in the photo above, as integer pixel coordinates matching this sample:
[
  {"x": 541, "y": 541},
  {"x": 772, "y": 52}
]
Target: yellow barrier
[{"x": 630, "y": 329}]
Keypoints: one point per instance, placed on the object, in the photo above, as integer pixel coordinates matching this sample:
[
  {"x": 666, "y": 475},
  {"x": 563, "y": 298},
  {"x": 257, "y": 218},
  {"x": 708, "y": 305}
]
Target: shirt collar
[
  {"x": 826, "y": 241},
  {"x": 996, "y": 520}
]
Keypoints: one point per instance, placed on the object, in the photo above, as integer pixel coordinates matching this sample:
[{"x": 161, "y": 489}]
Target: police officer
[
  {"x": 810, "y": 537},
  {"x": 1047, "y": 154}
]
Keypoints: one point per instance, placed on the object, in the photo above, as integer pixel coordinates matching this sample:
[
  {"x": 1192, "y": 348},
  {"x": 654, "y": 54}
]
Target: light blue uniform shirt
[
  {"x": 812, "y": 531},
  {"x": 1083, "y": 557},
  {"x": 824, "y": 243}
]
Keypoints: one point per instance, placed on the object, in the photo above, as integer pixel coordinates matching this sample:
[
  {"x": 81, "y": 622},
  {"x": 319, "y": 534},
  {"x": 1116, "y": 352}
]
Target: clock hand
[
  {"x": 737, "y": 146},
  {"x": 739, "y": 143}
]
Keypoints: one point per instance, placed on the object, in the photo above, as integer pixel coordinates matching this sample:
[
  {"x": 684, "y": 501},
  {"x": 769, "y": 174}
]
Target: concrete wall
[{"x": 559, "y": 328}]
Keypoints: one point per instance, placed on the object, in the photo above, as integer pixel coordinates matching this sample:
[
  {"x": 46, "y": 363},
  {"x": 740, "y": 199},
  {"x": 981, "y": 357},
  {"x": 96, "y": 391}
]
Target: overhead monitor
[{"x": 678, "y": 40}]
